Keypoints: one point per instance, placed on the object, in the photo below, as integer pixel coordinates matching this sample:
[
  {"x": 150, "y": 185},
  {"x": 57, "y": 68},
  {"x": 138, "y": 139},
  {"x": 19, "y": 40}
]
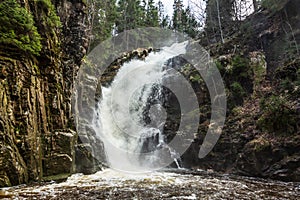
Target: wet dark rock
[
  {"x": 58, "y": 164},
  {"x": 245, "y": 147},
  {"x": 35, "y": 95},
  {"x": 59, "y": 155},
  {"x": 85, "y": 160},
  {"x": 110, "y": 72}
]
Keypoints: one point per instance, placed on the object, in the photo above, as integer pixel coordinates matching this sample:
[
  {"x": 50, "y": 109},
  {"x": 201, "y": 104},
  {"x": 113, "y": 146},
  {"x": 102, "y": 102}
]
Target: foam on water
[
  {"x": 111, "y": 184},
  {"x": 118, "y": 120}
]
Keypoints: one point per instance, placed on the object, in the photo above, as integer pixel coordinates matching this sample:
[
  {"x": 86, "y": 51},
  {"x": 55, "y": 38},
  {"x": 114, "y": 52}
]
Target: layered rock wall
[{"x": 36, "y": 137}]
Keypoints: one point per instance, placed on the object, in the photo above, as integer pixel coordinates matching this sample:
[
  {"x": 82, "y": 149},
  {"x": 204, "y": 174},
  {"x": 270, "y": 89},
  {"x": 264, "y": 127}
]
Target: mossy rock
[
  {"x": 18, "y": 29},
  {"x": 4, "y": 181},
  {"x": 58, "y": 177},
  {"x": 277, "y": 116},
  {"x": 260, "y": 144},
  {"x": 49, "y": 16}
]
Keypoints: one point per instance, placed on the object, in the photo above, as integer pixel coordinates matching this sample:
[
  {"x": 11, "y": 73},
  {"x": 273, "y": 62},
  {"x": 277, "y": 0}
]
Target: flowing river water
[{"x": 110, "y": 184}]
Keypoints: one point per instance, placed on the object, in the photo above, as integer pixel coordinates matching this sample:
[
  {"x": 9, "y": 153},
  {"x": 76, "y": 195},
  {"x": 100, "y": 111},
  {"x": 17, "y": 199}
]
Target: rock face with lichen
[
  {"x": 261, "y": 71},
  {"x": 36, "y": 137}
]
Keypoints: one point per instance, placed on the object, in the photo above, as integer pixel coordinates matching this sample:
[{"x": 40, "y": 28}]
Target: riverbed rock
[
  {"x": 59, "y": 153},
  {"x": 111, "y": 71}
]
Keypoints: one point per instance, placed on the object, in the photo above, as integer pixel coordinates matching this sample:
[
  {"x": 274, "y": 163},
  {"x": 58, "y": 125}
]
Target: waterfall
[{"x": 130, "y": 126}]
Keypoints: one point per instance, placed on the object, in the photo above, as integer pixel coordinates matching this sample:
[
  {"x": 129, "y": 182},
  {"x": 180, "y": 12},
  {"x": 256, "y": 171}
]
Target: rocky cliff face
[
  {"x": 261, "y": 69},
  {"x": 36, "y": 137}
]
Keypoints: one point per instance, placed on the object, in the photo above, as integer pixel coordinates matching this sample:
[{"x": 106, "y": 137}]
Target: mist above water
[{"x": 119, "y": 119}]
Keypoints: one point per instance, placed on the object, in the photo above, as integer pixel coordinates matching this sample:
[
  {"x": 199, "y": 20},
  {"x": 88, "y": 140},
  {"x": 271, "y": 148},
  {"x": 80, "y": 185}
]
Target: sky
[
  {"x": 197, "y": 7},
  {"x": 245, "y": 7},
  {"x": 169, "y": 5}
]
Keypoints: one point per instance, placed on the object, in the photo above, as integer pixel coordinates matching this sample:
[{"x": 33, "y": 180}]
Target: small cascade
[{"x": 131, "y": 117}]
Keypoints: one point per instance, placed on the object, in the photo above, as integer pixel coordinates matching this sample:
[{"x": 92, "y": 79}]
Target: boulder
[{"x": 59, "y": 154}]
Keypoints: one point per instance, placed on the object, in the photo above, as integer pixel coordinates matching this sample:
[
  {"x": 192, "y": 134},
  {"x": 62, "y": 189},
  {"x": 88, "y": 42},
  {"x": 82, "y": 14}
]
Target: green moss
[
  {"x": 277, "y": 116},
  {"x": 259, "y": 72},
  {"x": 238, "y": 77},
  {"x": 286, "y": 85},
  {"x": 36, "y": 69},
  {"x": 51, "y": 18},
  {"x": 260, "y": 144},
  {"x": 237, "y": 111},
  {"x": 237, "y": 93},
  {"x": 196, "y": 78},
  {"x": 17, "y": 28},
  {"x": 273, "y": 5},
  {"x": 289, "y": 77},
  {"x": 240, "y": 67},
  {"x": 4, "y": 181},
  {"x": 220, "y": 66},
  {"x": 59, "y": 177},
  {"x": 237, "y": 90},
  {"x": 58, "y": 87},
  {"x": 84, "y": 2}
]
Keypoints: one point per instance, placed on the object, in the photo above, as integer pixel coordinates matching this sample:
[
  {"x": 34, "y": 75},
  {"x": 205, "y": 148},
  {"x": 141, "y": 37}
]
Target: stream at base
[{"x": 178, "y": 184}]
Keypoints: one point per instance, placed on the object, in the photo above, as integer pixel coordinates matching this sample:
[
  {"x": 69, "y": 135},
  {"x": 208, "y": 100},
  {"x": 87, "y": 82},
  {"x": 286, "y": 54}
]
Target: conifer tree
[
  {"x": 219, "y": 18},
  {"x": 177, "y": 15},
  {"x": 189, "y": 23},
  {"x": 104, "y": 14},
  {"x": 130, "y": 16},
  {"x": 165, "y": 22},
  {"x": 163, "y": 19},
  {"x": 183, "y": 20},
  {"x": 161, "y": 10},
  {"x": 152, "y": 15}
]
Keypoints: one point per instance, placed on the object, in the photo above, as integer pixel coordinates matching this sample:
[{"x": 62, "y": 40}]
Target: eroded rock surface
[{"x": 36, "y": 139}]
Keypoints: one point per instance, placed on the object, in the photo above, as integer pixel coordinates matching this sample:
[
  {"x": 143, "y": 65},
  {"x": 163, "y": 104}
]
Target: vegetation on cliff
[
  {"x": 18, "y": 28},
  {"x": 260, "y": 137},
  {"x": 38, "y": 58}
]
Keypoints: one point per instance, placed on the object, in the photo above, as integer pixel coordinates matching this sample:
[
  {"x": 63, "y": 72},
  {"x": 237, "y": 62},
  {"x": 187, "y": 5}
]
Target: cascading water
[
  {"x": 130, "y": 137},
  {"x": 129, "y": 118}
]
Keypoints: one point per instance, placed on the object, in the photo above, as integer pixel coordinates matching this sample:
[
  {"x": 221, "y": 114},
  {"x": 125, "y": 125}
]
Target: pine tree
[
  {"x": 219, "y": 18},
  {"x": 131, "y": 15},
  {"x": 152, "y": 15},
  {"x": 177, "y": 16},
  {"x": 165, "y": 22},
  {"x": 183, "y": 20},
  {"x": 161, "y": 10},
  {"x": 190, "y": 23},
  {"x": 163, "y": 19},
  {"x": 104, "y": 14}
]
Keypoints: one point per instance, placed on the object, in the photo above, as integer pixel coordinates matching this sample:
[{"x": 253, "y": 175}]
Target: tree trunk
[
  {"x": 255, "y": 5},
  {"x": 219, "y": 19}
]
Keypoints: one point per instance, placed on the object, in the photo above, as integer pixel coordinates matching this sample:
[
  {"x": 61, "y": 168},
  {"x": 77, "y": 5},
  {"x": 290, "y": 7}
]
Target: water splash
[{"x": 120, "y": 119}]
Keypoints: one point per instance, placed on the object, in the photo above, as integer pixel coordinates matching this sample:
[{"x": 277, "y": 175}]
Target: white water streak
[{"x": 119, "y": 128}]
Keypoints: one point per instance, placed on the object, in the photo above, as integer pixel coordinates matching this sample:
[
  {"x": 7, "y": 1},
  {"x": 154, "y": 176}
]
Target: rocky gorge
[
  {"x": 261, "y": 70},
  {"x": 36, "y": 124}
]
